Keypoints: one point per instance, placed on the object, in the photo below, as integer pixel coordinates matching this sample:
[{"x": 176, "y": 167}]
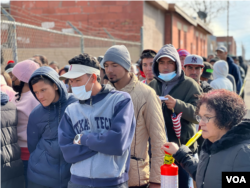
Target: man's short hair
[
  {"x": 88, "y": 60},
  {"x": 146, "y": 54},
  {"x": 54, "y": 63},
  {"x": 43, "y": 59}
]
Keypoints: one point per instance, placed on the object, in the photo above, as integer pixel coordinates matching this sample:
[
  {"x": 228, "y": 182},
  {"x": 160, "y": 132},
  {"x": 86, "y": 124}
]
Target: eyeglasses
[{"x": 203, "y": 118}]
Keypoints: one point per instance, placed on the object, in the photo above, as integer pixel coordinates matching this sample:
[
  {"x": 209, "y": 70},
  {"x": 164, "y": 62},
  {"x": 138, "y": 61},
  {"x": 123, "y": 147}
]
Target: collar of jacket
[
  {"x": 233, "y": 137},
  {"x": 99, "y": 96},
  {"x": 230, "y": 61},
  {"x": 131, "y": 85}
]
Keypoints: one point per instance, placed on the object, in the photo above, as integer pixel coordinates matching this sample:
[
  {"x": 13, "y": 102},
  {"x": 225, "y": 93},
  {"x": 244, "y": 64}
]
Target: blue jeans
[{"x": 25, "y": 167}]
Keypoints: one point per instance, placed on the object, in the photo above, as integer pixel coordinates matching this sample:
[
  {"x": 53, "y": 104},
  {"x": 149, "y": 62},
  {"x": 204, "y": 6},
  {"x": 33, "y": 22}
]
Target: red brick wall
[
  {"x": 190, "y": 35},
  {"x": 122, "y": 16},
  {"x": 168, "y": 28}
]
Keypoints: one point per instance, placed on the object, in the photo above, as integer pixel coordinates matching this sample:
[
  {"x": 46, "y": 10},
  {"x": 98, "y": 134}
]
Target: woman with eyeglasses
[{"x": 227, "y": 140}]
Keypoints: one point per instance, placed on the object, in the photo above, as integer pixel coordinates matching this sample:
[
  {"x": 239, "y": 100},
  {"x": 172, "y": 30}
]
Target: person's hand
[
  {"x": 170, "y": 147},
  {"x": 170, "y": 102},
  {"x": 154, "y": 185}
]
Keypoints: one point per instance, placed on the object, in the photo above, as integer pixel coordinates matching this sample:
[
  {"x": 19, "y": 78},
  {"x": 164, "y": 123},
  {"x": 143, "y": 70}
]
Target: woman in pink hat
[
  {"x": 183, "y": 54},
  {"x": 25, "y": 103}
]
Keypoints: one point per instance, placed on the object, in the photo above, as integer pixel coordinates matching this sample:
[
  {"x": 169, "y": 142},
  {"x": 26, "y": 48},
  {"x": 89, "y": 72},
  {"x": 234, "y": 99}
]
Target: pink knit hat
[{"x": 24, "y": 69}]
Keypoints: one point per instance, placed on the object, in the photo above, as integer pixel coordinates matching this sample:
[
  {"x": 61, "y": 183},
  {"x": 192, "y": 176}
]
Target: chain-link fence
[{"x": 21, "y": 41}]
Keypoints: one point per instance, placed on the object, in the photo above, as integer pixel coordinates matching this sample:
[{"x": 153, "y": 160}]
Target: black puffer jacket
[
  {"x": 229, "y": 154},
  {"x": 11, "y": 163}
]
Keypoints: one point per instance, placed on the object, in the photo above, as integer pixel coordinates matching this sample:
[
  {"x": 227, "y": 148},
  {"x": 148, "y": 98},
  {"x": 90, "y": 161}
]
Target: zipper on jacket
[
  {"x": 203, "y": 183},
  {"x": 90, "y": 101}
]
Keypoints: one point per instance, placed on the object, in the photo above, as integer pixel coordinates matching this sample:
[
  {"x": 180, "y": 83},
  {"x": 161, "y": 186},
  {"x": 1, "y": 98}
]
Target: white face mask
[{"x": 81, "y": 93}]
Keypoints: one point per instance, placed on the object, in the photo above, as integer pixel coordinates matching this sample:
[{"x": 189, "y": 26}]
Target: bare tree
[{"x": 206, "y": 10}]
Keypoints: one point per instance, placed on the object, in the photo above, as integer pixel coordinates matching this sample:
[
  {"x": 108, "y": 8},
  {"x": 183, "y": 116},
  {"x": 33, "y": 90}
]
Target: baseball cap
[
  {"x": 222, "y": 48},
  {"x": 77, "y": 70},
  {"x": 208, "y": 71},
  {"x": 193, "y": 60},
  {"x": 149, "y": 50},
  {"x": 165, "y": 56}
]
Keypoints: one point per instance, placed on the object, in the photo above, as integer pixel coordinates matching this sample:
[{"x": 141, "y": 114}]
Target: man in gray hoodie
[{"x": 181, "y": 93}]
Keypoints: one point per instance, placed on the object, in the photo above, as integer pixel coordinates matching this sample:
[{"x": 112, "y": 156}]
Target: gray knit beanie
[{"x": 118, "y": 54}]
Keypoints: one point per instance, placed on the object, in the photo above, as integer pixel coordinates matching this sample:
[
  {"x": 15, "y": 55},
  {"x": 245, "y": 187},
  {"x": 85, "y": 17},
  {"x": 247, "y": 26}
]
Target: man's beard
[
  {"x": 17, "y": 88},
  {"x": 114, "y": 81}
]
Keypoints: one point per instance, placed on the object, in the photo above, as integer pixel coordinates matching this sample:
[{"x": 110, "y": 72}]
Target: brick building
[
  {"x": 185, "y": 32},
  {"x": 231, "y": 44},
  {"x": 162, "y": 22}
]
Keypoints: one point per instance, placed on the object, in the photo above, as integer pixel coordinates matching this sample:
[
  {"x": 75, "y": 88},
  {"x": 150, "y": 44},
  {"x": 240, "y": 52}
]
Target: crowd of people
[{"x": 104, "y": 122}]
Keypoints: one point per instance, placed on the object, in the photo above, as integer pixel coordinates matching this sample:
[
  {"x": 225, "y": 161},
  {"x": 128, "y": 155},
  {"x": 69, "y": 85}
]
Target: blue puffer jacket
[
  {"x": 235, "y": 71},
  {"x": 47, "y": 166}
]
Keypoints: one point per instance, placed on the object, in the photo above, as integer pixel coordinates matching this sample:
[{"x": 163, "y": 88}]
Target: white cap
[
  {"x": 222, "y": 48},
  {"x": 77, "y": 70},
  {"x": 165, "y": 56},
  {"x": 193, "y": 60}
]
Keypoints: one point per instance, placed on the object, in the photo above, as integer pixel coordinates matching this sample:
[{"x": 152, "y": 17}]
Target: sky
[{"x": 239, "y": 22}]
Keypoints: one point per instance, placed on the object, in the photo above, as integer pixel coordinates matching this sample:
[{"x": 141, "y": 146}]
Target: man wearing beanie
[
  {"x": 149, "y": 119},
  {"x": 181, "y": 96},
  {"x": 9, "y": 67}
]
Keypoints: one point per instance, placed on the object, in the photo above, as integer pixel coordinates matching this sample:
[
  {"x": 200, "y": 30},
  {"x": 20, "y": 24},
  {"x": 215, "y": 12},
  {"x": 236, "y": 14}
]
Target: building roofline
[
  {"x": 196, "y": 22},
  {"x": 201, "y": 24},
  {"x": 175, "y": 8},
  {"x": 162, "y": 5},
  {"x": 5, "y": 5}
]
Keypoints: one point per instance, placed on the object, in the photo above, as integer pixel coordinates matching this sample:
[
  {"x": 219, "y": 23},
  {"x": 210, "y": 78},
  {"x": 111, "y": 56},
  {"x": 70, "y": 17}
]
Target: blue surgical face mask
[
  {"x": 168, "y": 76},
  {"x": 81, "y": 93}
]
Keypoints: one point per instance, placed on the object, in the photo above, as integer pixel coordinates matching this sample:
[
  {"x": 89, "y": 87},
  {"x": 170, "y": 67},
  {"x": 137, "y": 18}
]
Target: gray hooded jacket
[{"x": 169, "y": 50}]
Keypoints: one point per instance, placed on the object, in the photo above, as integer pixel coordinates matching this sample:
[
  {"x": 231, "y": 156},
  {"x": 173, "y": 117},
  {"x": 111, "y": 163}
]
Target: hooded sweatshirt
[
  {"x": 185, "y": 90},
  {"x": 220, "y": 76},
  {"x": 23, "y": 71},
  {"x": 169, "y": 50},
  {"x": 47, "y": 166},
  {"x": 107, "y": 123}
]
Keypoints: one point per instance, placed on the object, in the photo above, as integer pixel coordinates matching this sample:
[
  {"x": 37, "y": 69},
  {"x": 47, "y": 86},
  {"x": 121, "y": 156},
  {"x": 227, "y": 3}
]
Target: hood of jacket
[
  {"x": 53, "y": 76},
  {"x": 169, "y": 50},
  {"x": 4, "y": 98},
  {"x": 235, "y": 136},
  {"x": 220, "y": 69}
]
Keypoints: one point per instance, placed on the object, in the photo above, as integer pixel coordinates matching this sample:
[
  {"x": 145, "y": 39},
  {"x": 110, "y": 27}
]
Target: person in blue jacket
[
  {"x": 47, "y": 167},
  {"x": 95, "y": 133},
  {"x": 233, "y": 68}
]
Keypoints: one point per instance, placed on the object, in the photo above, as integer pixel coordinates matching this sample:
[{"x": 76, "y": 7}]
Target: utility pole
[{"x": 228, "y": 26}]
